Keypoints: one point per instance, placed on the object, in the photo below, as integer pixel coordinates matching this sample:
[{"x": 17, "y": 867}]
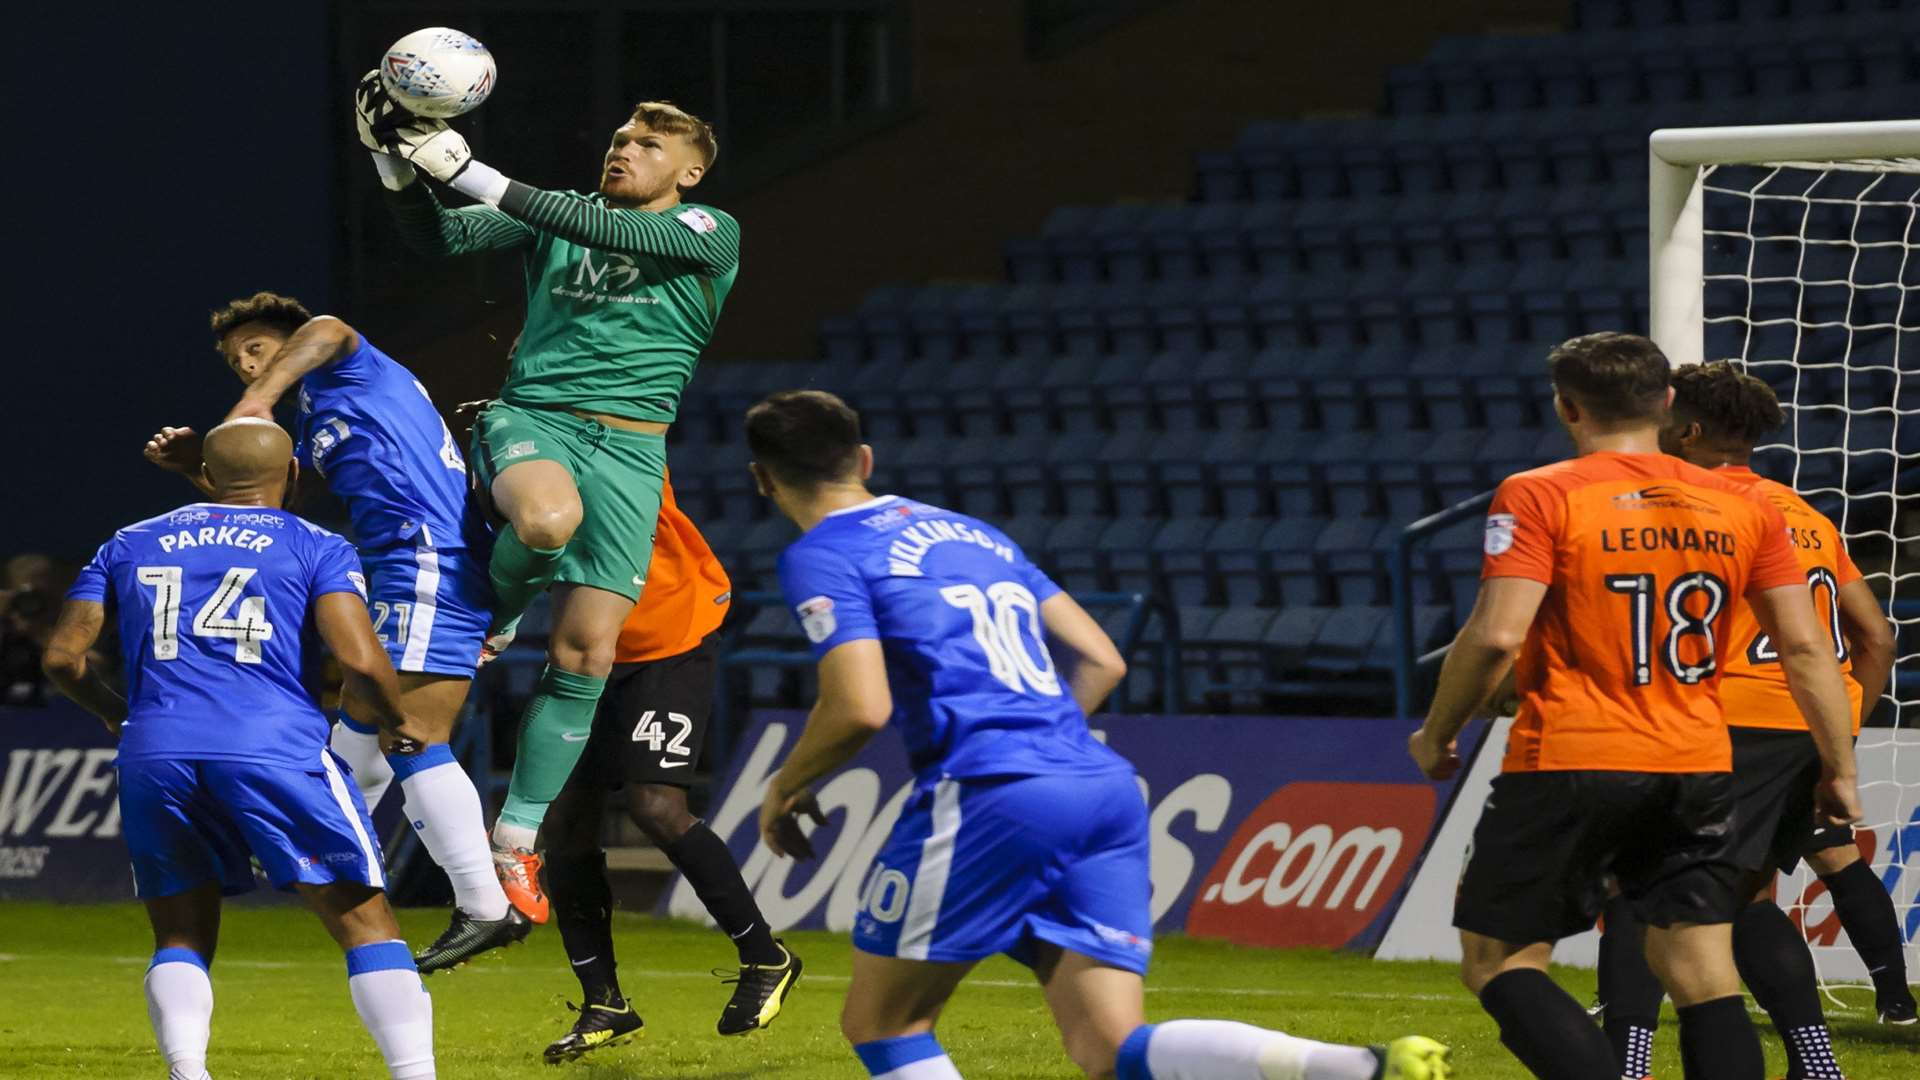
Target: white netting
[{"x": 1810, "y": 270}]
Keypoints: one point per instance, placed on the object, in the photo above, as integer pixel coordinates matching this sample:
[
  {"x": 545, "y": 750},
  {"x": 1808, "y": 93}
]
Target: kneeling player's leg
[
  {"x": 542, "y": 506},
  {"x": 1866, "y": 911},
  {"x": 890, "y": 1011},
  {"x": 1630, "y": 994},
  {"x": 186, "y": 928},
  {"x": 393, "y": 1005},
  {"x": 441, "y": 801},
  {"x": 1539, "y": 1022},
  {"x": 1099, "y": 1010}
]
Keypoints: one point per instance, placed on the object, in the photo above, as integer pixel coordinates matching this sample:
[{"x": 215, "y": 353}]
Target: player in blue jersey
[
  {"x": 368, "y": 428},
  {"x": 223, "y": 752},
  {"x": 1024, "y": 834}
]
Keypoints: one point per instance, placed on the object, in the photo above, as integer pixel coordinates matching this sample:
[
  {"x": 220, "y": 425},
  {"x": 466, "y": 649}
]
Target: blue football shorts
[
  {"x": 430, "y": 606},
  {"x": 189, "y": 822},
  {"x": 977, "y": 867}
]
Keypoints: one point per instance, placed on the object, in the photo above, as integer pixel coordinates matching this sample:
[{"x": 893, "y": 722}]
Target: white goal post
[{"x": 1786, "y": 249}]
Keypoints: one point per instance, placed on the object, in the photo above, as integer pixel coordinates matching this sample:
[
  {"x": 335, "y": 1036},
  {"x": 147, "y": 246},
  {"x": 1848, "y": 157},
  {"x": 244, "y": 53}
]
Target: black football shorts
[
  {"x": 1547, "y": 842},
  {"x": 652, "y": 722},
  {"x": 1774, "y": 773}
]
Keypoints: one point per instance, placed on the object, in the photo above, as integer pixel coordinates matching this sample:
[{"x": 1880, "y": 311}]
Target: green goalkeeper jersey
[{"x": 619, "y": 302}]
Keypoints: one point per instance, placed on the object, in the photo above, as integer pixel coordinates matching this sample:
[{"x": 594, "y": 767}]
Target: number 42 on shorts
[{"x": 653, "y": 732}]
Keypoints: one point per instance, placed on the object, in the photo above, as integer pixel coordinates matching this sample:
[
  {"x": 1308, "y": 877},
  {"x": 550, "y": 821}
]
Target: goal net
[{"x": 1795, "y": 251}]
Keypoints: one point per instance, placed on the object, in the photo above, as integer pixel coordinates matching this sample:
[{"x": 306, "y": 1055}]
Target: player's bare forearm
[
  {"x": 68, "y": 663},
  {"x": 1093, "y": 666},
  {"x": 637, "y": 232},
  {"x": 319, "y": 342},
  {"x": 854, "y": 704},
  {"x": 1813, "y": 675},
  {"x": 1870, "y": 642},
  {"x": 341, "y": 618},
  {"x": 1483, "y": 653},
  {"x": 433, "y": 229}
]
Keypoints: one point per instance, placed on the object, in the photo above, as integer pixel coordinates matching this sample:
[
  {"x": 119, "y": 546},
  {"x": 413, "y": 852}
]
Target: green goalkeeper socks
[
  {"x": 519, "y": 573},
  {"x": 555, "y": 730}
]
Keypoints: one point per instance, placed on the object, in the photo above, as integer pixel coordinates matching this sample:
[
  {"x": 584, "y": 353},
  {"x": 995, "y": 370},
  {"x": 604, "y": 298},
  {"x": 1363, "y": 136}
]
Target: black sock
[
  {"x": 1546, "y": 1029},
  {"x": 1629, "y": 990},
  {"x": 1866, "y": 911},
  {"x": 583, "y": 910},
  {"x": 1717, "y": 1041},
  {"x": 1777, "y": 966},
  {"x": 710, "y": 869}
]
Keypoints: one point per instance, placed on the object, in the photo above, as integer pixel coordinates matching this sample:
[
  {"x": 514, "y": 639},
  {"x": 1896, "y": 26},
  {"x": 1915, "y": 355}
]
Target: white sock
[
  {"x": 180, "y": 1004},
  {"x": 444, "y": 809},
  {"x": 1224, "y": 1050},
  {"x": 508, "y": 836},
  {"x": 394, "y": 1007},
  {"x": 908, "y": 1057},
  {"x": 360, "y": 749}
]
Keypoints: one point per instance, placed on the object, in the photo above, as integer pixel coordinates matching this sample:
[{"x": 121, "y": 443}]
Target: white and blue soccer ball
[{"x": 438, "y": 72}]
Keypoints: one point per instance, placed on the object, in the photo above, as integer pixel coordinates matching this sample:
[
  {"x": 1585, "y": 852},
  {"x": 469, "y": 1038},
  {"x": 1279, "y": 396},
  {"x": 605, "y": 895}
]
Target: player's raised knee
[
  {"x": 547, "y": 525},
  {"x": 660, "y": 811}
]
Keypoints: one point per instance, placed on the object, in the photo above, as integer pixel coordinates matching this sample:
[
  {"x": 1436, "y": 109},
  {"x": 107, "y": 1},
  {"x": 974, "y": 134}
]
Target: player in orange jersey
[
  {"x": 1612, "y": 577},
  {"x": 1718, "y": 415},
  {"x": 646, "y": 738}
]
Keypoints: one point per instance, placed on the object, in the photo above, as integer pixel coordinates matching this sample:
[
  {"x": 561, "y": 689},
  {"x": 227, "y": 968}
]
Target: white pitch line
[{"x": 997, "y": 984}]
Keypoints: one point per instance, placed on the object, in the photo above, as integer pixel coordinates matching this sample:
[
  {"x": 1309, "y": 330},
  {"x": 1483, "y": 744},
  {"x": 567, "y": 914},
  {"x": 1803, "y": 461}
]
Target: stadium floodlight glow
[{"x": 1792, "y": 250}]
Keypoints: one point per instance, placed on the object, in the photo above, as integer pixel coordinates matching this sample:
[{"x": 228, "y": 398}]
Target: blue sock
[
  {"x": 909, "y": 1057},
  {"x": 1131, "y": 1062},
  {"x": 354, "y": 725}
]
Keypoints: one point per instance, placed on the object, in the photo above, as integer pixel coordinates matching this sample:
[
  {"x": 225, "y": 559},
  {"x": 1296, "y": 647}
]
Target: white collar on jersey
[{"x": 877, "y": 500}]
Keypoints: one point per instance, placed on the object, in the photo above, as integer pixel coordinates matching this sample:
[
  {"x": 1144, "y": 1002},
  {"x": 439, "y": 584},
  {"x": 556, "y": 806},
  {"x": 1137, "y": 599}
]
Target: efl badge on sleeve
[
  {"x": 1499, "y": 533},
  {"x": 816, "y": 618},
  {"x": 696, "y": 219}
]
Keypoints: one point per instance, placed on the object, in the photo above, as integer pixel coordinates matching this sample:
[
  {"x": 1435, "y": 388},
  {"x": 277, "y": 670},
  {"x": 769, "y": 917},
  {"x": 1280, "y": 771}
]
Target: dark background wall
[
  {"x": 173, "y": 156},
  {"x": 162, "y": 158}
]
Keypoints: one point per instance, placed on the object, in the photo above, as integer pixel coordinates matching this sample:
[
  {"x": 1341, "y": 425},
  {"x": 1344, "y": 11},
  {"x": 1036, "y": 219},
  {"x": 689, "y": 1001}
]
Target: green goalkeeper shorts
[{"x": 619, "y": 475}]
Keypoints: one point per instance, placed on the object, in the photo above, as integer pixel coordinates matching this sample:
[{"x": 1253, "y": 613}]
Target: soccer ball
[{"x": 437, "y": 72}]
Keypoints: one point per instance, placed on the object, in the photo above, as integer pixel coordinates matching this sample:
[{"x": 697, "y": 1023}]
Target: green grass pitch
[{"x": 71, "y": 1005}]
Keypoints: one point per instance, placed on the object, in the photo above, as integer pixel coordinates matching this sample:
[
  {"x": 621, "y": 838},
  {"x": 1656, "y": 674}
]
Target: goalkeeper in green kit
[{"x": 623, "y": 290}]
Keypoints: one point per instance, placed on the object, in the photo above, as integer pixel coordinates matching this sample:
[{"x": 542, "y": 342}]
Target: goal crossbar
[{"x": 1675, "y": 157}]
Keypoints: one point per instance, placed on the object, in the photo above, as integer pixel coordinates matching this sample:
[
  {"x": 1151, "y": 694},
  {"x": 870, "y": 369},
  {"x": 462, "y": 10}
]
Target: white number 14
[{"x": 247, "y": 629}]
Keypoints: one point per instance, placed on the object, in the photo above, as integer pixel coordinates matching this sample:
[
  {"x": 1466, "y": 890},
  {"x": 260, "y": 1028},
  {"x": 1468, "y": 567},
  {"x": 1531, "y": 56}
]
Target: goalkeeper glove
[
  {"x": 375, "y": 117},
  {"x": 440, "y": 152}
]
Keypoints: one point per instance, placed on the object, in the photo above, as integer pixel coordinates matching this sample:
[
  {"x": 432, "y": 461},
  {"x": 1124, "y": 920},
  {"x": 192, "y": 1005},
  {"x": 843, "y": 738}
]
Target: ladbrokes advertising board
[{"x": 1265, "y": 830}]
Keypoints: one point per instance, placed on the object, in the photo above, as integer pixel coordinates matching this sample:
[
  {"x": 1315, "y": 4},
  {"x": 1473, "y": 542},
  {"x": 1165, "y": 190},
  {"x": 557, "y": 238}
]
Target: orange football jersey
[
  {"x": 1753, "y": 690},
  {"x": 1644, "y": 558},
  {"x": 686, "y": 595}
]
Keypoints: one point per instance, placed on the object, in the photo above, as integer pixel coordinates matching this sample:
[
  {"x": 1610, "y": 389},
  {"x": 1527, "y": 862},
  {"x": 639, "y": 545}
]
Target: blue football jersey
[
  {"x": 210, "y": 601},
  {"x": 955, "y": 606},
  {"x": 369, "y": 428}
]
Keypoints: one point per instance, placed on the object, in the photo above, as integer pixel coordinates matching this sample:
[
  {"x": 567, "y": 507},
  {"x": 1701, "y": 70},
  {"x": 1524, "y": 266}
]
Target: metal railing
[{"x": 1407, "y": 666}]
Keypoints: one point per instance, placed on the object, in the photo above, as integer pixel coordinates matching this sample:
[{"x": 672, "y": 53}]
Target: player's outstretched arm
[
  {"x": 431, "y": 228},
  {"x": 1813, "y": 675},
  {"x": 1082, "y": 650},
  {"x": 1869, "y": 638},
  {"x": 68, "y": 662},
  {"x": 855, "y": 703},
  {"x": 320, "y": 341},
  {"x": 1479, "y": 660},
  {"x": 177, "y": 450},
  {"x": 341, "y": 618}
]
